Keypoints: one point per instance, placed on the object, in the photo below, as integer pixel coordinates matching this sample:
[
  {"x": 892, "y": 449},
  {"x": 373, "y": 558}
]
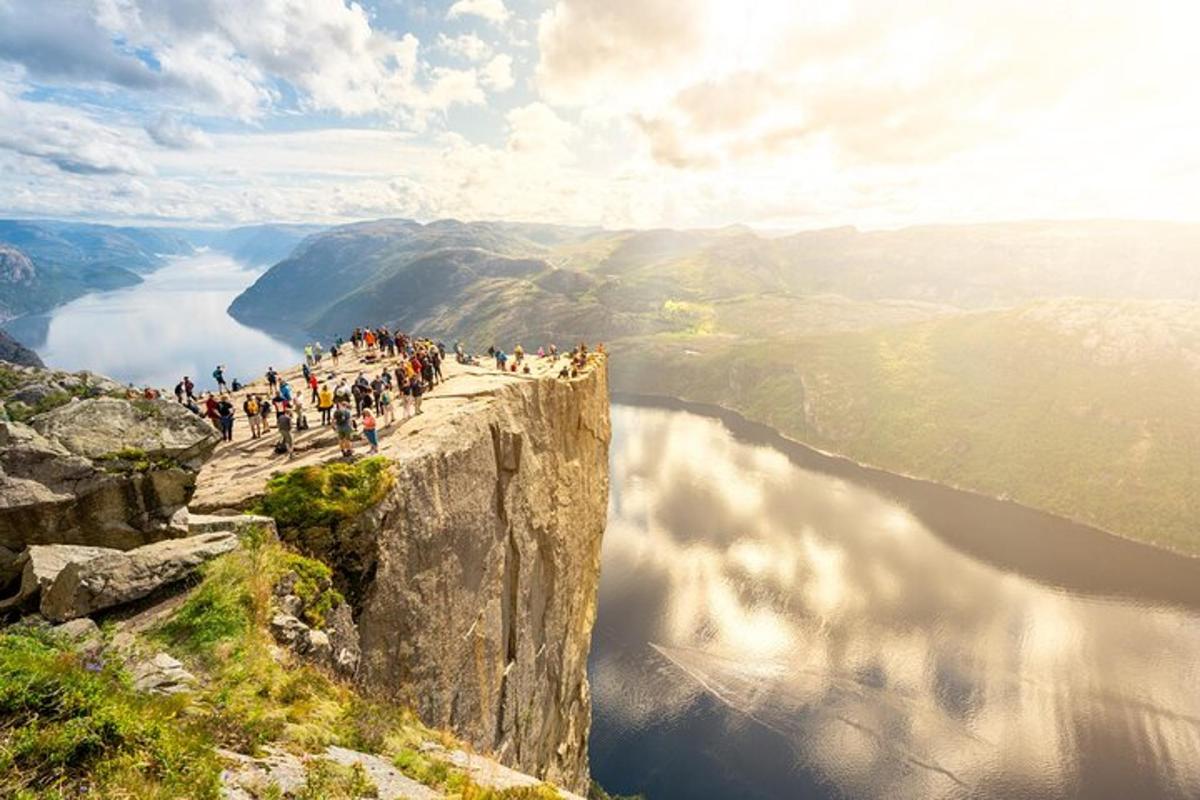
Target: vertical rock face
[{"x": 480, "y": 597}]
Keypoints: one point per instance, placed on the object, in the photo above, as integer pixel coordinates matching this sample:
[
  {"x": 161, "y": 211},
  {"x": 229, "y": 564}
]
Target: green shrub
[
  {"x": 66, "y": 726},
  {"x": 313, "y": 586},
  {"x": 325, "y": 494}
]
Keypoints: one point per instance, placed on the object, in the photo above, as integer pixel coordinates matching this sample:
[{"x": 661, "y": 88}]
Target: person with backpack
[
  {"x": 418, "y": 389},
  {"x": 385, "y": 406},
  {"x": 313, "y": 383},
  {"x": 219, "y": 376},
  {"x": 286, "y": 444},
  {"x": 225, "y": 415},
  {"x": 334, "y": 352},
  {"x": 179, "y": 392},
  {"x": 343, "y": 422},
  {"x": 250, "y": 406},
  {"x": 264, "y": 415},
  {"x": 272, "y": 378}
]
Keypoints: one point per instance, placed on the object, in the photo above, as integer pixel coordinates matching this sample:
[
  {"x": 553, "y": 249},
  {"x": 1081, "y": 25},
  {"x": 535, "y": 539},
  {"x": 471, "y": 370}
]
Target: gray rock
[
  {"x": 390, "y": 782},
  {"x": 343, "y": 638},
  {"x": 78, "y": 629},
  {"x": 238, "y": 523},
  {"x": 114, "y": 578},
  {"x": 101, "y": 471},
  {"x": 291, "y": 605},
  {"x": 162, "y": 674},
  {"x": 286, "y": 584},
  {"x": 316, "y": 646},
  {"x": 288, "y": 630},
  {"x": 41, "y": 564}
]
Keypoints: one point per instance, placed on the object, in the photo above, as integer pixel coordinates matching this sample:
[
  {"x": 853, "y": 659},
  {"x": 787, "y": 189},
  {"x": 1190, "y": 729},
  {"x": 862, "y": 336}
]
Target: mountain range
[{"x": 1054, "y": 363}]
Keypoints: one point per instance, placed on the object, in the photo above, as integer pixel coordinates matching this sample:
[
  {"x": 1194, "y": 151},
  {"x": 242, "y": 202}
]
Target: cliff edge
[{"x": 474, "y": 578}]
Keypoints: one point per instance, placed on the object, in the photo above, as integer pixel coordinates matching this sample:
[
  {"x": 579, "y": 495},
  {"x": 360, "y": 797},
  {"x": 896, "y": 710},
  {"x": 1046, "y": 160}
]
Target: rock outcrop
[
  {"x": 114, "y": 577},
  {"x": 100, "y": 471},
  {"x": 14, "y": 352},
  {"x": 66, "y": 581},
  {"x": 473, "y": 581},
  {"x": 479, "y": 604}
]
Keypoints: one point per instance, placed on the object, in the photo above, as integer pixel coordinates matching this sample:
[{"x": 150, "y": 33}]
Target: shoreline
[{"x": 1038, "y": 544}]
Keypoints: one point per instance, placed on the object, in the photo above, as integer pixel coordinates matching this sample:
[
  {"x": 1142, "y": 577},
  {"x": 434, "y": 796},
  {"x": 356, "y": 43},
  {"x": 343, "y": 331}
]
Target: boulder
[
  {"x": 41, "y": 564},
  {"x": 316, "y": 646},
  {"x": 100, "y": 471},
  {"x": 289, "y": 630},
  {"x": 238, "y": 523},
  {"x": 162, "y": 674},
  {"x": 113, "y": 578}
]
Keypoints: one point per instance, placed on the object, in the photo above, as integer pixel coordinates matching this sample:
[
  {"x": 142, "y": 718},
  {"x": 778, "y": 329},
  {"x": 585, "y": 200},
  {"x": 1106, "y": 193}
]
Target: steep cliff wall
[
  {"x": 480, "y": 608},
  {"x": 474, "y": 579}
]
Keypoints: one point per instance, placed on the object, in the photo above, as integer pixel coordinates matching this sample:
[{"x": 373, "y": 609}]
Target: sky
[{"x": 623, "y": 113}]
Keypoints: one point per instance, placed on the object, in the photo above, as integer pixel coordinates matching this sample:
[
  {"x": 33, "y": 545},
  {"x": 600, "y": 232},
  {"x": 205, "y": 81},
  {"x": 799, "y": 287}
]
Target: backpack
[
  {"x": 217, "y": 376},
  {"x": 280, "y": 448}
]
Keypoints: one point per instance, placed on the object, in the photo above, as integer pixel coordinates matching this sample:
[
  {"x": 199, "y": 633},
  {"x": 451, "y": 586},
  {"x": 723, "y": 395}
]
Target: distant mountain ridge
[
  {"x": 44, "y": 263},
  {"x": 1055, "y": 363}
]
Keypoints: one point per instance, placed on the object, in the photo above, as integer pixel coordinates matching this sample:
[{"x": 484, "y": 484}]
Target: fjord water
[
  {"x": 770, "y": 630},
  {"x": 172, "y": 324}
]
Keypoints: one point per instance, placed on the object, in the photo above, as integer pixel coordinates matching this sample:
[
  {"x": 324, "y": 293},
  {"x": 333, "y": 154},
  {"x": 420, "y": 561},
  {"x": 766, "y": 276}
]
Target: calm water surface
[
  {"x": 767, "y": 630},
  {"x": 173, "y": 324}
]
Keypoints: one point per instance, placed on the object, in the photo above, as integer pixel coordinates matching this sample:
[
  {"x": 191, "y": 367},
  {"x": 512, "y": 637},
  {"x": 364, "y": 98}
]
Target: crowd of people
[{"x": 397, "y": 370}]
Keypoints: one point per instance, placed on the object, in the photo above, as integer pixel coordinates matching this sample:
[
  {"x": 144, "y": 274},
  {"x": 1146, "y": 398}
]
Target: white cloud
[
  {"x": 491, "y": 10},
  {"x": 66, "y": 138},
  {"x": 169, "y": 130},
  {"x": 536, "y": 129},
  {"x": 497, "y": 73},
  {"x": 466, "y": 46},
  {"x": 232, "y": 56}
]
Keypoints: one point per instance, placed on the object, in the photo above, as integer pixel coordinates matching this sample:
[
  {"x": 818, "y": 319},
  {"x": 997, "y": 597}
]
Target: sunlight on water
[
  {"x": 172, "y": 324},
  {"x": 769, "y": 631}
]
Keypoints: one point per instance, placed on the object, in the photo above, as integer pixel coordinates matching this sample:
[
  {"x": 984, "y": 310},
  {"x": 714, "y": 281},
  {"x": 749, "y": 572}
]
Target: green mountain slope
[
  {"x": 46, "y": 263},
  {"x": 1052, "y": 362}
]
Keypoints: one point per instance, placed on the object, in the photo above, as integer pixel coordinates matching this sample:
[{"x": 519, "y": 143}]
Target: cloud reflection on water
[{"x": 891, "y": 664}]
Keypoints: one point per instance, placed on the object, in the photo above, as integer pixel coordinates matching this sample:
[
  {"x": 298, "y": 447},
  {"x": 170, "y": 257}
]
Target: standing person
[
  {"x": 407, "y": 393},
  {"x": 438, "y": 355},
  {"x": 210, "y": 410},
  {"x": 308, "y": 355},
  {"x": 343, "y": 424},
  {"x": 418, "y": 389},
  {"x": 219, "y": 377},
  {"x": 179, "y": 392},
  {"x": 250, "y": 406},
  {"x": 368, "y": 423},
  {"x": 312, "y": 384},
  {"x": 317, "y": 351},
  {"x": 225, "y": 414},
  {"x": 385, "y": 406},
  {"x": 285, "y": 391},
  {"x": 272, "y": 378},
  {"x": 333, "y": 353},
  {"x": 284, "y": 423},
  {"x": 519, "y": 353},
  {"x": 325, "y": 404},
  {"x": 189, "y": 388},
  {"x": 264, "y": 415}
]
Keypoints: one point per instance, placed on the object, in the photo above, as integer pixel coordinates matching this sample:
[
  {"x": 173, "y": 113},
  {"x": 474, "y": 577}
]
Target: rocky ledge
[{"x": 473, "y": 578}]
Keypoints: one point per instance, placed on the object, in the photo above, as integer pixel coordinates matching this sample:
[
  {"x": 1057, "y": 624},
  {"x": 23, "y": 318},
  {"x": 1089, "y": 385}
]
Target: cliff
[{"x": 474, "y": 577}]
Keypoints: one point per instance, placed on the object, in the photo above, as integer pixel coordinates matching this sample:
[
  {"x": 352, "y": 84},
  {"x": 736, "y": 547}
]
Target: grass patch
[
  {"x": 326, "y": 494},
  {"x": 67, "y": 727},
  {"x": 326, "y": 780}
]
